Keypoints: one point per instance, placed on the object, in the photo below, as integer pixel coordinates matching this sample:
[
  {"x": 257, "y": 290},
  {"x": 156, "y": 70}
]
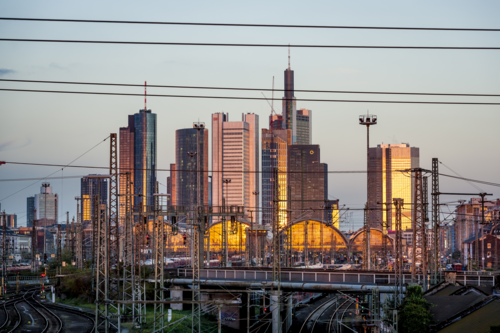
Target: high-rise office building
[
  {"x": 145, "y": 156},
  {"x": 304, "y": 127},
  {"x": 235, "y": 156},
  {"x": 186, "y": 168},
  {"x": 274, "y": 155},
  {"x": 289, "y": 104},
  {"x": 11, "y": 220},
  {"x": 126, "y": 159},
  {"x": 138, "y": 156},
  {"x": 307, "y": 182},
  {"x": 171, "y": 188},
  {"x": 89, "y": 188},
  {"x": 30, "y": 211},
  {"x": 46, "y": 205},
  {"x": 388, "y": 182}
]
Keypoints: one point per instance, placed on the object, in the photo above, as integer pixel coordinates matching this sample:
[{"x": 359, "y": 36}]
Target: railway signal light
[
  {"x": 147, "y": 239},
  {"x": 174, "y": 219},
  {"x": 45, "y": 257},
  {"x": 184, "y": 239}
]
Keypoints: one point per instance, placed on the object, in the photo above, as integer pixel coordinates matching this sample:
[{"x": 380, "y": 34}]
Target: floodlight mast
[{"x": 367, "y": 120}]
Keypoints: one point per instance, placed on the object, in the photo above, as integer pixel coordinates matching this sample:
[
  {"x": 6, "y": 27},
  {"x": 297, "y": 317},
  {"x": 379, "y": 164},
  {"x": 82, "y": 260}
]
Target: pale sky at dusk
[{"x": 57, "y": 128}]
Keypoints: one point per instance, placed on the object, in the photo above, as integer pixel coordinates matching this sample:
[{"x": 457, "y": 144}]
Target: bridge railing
[{"x": 380, "y": 278}]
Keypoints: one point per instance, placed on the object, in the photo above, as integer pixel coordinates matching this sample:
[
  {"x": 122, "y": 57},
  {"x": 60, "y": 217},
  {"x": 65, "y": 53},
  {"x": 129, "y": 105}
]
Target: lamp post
[
  {"x": 252, "y": 232},
  {"x": 224, "y": 223},
  {"x": 368, "y": 120}
]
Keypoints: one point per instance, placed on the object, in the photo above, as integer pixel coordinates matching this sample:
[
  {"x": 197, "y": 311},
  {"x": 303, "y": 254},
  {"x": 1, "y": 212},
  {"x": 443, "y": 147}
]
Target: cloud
[
  {"x": 14, "y": 144},
  {"x": 6, "y": 144},
  {"x": 5, "y": 71}
]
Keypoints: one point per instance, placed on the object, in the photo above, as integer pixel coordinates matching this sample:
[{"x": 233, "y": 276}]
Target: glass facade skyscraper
[
  {"x": 138, "y": 156},
  {"x": 46, "y": 205},
  {"x": 30, "y": 211},
  {"x": 89, "y": 187},
  {"x": 145, "y": 156},
  {"x": 186, "y": 175},
  {"x": 274, "y": 155},
  {"x": 387, "y": 182},
  {"x": 304, "y": 127}
]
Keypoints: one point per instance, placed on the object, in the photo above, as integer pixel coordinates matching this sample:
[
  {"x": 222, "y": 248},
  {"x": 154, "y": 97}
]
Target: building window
[
  {"x": 489, "y": 245},
  {"x": 489, "y": 254}
]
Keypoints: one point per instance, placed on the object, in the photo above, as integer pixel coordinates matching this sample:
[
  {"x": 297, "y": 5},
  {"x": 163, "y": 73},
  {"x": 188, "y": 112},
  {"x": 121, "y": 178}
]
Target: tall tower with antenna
[{"x": 289, "y": 103}]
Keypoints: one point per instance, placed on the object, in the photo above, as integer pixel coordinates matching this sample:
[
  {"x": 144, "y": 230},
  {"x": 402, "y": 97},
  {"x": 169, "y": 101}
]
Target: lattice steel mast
[
  {"x": 113, "y": 229},
  {"x": 398, "y": 261},
  {"x": 34, "y": 243},
  {"x": 419, "y": 231},
  {"x": 435, "y": 219}
]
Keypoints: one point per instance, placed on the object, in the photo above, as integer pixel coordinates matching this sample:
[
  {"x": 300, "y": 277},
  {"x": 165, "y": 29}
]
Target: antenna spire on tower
[
  {"x": 145, "y": 96},
  {"x": 288, "y": 56}
]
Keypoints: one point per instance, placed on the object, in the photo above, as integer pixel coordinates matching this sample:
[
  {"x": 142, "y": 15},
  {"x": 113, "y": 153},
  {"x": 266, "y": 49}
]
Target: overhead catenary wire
[
  {"x": 63, "y": 166},
  {"x": 245, "y": 98},
  {"x": 214, "y": 171},
  {"x": 250, "y": 25},
  {"x": 252, "y": 89},
  {"x": 316, "y": 46}
]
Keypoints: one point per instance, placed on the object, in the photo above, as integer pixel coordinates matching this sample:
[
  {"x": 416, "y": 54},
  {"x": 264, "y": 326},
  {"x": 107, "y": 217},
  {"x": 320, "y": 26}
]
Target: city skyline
[{"x": 458, "y": 135}]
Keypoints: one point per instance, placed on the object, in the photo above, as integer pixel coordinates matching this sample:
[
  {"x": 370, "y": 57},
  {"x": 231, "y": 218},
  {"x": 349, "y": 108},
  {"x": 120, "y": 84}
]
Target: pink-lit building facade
[{"x": 235, "y": 156}]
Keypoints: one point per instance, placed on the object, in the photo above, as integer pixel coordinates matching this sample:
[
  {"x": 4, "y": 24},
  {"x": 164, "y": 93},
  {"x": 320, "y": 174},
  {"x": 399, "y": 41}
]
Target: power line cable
[
  {"x": 247, "y": 98},
  {"x": 64, "y": 166},
  {"x": 250, "y": 25},
  {"x": 73, "y": 41},
  {"x": 252, "y": 89},
  {"x": 215, "y": 171}
]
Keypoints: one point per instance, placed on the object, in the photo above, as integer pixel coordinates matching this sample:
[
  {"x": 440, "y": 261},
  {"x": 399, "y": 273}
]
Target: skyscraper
[
  {"x": 46, "y": 205},
  {"x": 235, "y": 156},
  {"x": 274, "y": 155},
  {"x": 171, "y": 188},
  {"x": 298, "y": 121},
  {"x": 126, "y": 158},
  {"x": 138, "y": 156},
  {"x": 145, "y": 156},
  {"x": 289, "y": 104},
  {"x": 304, "y": 127},
  {"x": 308, "y": 182},
  {"x": 89, "y": 187},
  {"x": 387, "y": 182},
  {"x": 30, "y": 211},
  {"x": 186, "y": 175}
]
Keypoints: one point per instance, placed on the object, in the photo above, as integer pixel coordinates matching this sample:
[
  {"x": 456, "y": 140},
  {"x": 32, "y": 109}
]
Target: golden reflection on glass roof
[
  {"x": 175, "y": 244},
  {"x": 376, "y": 240},
  {"x": 317, "y": 236},
  {"x": 236, "y": 238}
]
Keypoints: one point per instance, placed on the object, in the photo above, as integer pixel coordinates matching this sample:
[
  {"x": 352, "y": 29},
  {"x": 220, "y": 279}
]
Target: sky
[{"x": 59, "y": 128}]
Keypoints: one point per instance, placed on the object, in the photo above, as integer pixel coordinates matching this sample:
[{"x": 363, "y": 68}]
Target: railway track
[
  {"x": 340, "y": 310},
  {"x": 24, "y": 313},
  {"x": 315, "y": 316}
]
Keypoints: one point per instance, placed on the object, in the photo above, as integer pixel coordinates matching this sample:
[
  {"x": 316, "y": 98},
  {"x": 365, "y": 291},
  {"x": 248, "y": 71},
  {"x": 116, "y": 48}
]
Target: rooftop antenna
[
  {"x": 145, "y": 95},
  {"x": 288, "y": 57}
]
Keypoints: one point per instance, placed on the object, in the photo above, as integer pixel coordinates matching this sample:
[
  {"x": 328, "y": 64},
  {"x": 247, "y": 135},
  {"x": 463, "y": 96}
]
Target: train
[{"x": 183, "y": 262}]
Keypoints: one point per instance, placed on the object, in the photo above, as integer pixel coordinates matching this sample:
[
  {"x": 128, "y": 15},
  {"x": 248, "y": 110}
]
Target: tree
[{"x": 415, "y": 315}]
